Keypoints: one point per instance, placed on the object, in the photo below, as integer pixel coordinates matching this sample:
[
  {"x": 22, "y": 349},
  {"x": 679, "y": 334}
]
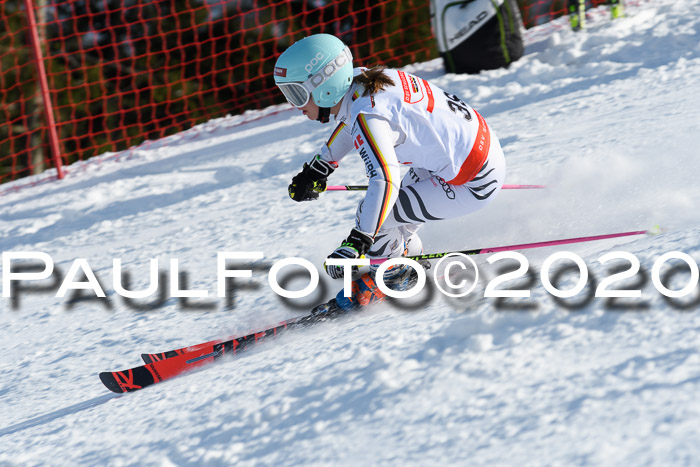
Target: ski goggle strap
[{"x": 298, "y": 94}]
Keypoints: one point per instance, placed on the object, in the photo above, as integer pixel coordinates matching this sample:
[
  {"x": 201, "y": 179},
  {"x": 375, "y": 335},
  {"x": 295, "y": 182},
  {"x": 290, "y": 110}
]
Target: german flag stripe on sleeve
[
  {"x": 383, "y": 166},
  {"x": 335, "y": 134}
]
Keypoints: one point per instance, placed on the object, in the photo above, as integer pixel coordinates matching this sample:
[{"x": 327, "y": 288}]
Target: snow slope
[{"x": 608, "y": 119}]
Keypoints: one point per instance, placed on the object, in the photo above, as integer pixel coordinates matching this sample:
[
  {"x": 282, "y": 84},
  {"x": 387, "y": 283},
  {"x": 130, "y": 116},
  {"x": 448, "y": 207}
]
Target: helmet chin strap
[{"x": 324, "y": 114}]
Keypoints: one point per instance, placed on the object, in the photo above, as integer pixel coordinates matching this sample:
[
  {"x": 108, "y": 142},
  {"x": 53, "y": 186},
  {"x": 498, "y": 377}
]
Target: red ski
[
  {"x": 167, "y": 365},
  {"x": 209, "y": 346}
]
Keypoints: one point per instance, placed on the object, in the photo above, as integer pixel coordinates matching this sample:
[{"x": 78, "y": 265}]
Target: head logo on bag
[
  {"x": 476, "y": 35},
  {"x": 466, "y": 29},
  {"x": 455, "y": 21}
]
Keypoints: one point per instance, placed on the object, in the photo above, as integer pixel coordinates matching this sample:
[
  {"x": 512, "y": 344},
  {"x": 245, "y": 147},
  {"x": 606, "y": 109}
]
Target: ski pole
[
  {"x": 523, "y": 246},
  {"x": 364, "y": 187}
]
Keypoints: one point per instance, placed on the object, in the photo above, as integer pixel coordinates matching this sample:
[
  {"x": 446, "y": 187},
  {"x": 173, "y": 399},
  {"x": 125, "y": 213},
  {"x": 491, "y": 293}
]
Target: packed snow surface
[{"x": 608, "y": 119}]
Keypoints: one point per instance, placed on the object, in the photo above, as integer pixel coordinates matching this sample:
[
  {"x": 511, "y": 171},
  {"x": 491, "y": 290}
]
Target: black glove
[
  {"x": 307, "y": 184},
  {"x": 355, "y": 246}
]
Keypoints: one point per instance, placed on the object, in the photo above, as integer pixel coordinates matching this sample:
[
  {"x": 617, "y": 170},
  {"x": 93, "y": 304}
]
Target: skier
[{"x": 456, "y": 164}]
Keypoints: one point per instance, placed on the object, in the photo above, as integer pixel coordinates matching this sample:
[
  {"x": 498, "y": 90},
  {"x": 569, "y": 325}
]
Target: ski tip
[{"x": 110, "y": 382}]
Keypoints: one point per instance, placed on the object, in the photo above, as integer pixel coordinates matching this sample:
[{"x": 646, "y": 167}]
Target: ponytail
[{"x": 374, "y": 80}]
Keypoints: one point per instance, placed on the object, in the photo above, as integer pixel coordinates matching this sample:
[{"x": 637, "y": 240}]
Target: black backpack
[{"x": 475, "y": 35}]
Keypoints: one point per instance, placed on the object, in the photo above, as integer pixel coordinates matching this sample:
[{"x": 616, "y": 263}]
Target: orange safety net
[{"x": 122, "y": 72}]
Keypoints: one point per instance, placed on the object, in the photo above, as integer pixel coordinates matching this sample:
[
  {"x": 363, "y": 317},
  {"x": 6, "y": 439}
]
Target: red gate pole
[{"x": 44, "y": 84}]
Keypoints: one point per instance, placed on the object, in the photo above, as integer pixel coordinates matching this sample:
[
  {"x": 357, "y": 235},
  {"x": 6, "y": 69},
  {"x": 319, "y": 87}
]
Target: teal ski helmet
[{"x": 318, "y": 67}]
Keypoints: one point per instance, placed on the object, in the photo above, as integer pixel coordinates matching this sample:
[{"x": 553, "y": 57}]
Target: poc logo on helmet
[
  {"x": 329, "y": 70},
  {"x": 314, "y": 61}
]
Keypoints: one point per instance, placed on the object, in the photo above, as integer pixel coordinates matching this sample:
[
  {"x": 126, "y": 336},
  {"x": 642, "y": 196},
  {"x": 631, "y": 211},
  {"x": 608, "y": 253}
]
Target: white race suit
[{"x": 456, "y": 162}]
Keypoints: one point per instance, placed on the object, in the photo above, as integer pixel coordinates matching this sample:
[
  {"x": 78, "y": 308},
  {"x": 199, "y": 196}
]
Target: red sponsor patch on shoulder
[{"x": 282, "y": 72}]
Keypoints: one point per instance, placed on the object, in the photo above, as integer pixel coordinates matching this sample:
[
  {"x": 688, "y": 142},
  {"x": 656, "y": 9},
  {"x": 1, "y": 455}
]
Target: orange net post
[
  {"x": 23, "y": 141},
  {"x": 44, "y": 88}
]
